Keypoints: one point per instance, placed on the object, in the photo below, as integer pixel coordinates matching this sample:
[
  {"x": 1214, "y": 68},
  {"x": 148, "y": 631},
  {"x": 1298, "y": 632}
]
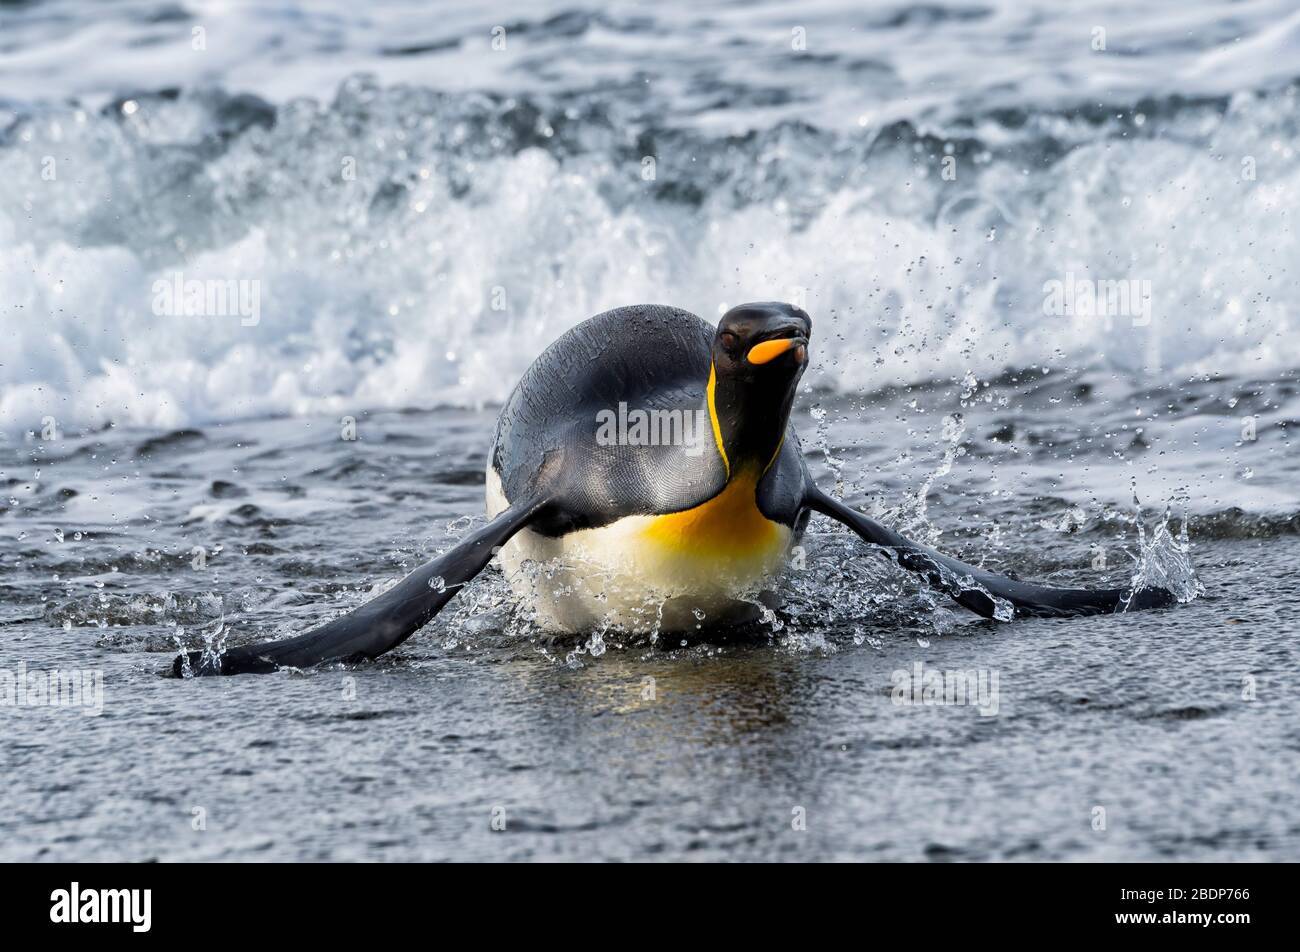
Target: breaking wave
[{"x": 402, "y": 246}]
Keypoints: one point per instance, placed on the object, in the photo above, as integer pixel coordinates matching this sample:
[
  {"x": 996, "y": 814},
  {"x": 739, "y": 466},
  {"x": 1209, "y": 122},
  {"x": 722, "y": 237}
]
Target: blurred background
[{"x": 428, "y": 194}]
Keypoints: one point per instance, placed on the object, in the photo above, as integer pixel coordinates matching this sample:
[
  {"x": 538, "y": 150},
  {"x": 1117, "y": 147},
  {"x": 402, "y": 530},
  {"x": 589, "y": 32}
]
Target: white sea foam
[{"x": 475, "y": 230}]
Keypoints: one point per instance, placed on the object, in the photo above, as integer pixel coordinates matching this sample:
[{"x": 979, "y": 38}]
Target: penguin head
[
  {"x": 763, "y": 344},
  {"x": 759, "y": 353}
]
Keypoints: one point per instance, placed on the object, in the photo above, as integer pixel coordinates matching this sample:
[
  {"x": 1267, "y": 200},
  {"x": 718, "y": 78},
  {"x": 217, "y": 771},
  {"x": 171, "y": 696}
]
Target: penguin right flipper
[
  {"x": 382, "y": 623},
  {"x": 986, "y": 594}
]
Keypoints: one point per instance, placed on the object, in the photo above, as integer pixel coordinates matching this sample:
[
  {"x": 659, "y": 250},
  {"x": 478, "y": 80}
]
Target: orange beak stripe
[{"x": 770, "y": 350}]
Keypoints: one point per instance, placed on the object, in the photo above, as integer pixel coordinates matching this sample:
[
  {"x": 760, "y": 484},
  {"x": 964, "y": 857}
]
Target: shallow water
[
  {"x": 1140, "y": 714},
  {"x": 418, "y": 235}
]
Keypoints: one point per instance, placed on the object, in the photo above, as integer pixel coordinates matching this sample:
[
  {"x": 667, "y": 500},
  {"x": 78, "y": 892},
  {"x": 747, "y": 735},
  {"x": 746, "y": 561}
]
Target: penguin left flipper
[
  {"x": 382, "y": 623},
  {"x": 986, "y": 594}
]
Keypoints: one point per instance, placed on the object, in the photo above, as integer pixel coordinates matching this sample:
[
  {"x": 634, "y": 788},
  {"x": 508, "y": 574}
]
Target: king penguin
[{"x": 644, "y": 473}]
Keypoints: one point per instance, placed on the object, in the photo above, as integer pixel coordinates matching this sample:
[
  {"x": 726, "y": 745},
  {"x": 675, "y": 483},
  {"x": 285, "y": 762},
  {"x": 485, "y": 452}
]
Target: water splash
[
  {"x": 915, "y": 510},
  {"x": 1164, "y": 560},
  {"x": 210, "y": 651},
  {"x": 822, "y": 440}
]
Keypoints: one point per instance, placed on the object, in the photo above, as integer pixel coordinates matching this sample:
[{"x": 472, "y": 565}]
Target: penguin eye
[{"x": 729, "y": 340}]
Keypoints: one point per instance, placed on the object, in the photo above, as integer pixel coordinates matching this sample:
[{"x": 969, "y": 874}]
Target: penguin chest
[{"x": 672, "y": 572}]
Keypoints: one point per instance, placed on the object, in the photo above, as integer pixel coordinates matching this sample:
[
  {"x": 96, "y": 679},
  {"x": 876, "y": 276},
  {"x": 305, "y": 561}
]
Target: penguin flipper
[
  {"x": 986, "y": 594},
  {"x": 382, "y": 623}
]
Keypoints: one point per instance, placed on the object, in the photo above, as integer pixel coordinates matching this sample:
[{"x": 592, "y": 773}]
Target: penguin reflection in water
[{"x": 693, "y": 527}]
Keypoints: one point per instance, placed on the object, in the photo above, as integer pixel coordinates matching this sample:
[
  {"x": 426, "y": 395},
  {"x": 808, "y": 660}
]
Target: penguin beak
[{"x": 768, "y": 350}]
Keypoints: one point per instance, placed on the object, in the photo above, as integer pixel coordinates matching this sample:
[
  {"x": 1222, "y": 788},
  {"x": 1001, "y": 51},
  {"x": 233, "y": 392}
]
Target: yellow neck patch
[
  {"x": 728, "y": 526},
  {"x": 713, "y": 418}
]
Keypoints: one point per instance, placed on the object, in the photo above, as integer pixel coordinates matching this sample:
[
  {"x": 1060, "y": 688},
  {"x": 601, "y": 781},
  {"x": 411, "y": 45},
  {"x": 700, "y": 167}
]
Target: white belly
[{"x": 627, "y": 575}]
